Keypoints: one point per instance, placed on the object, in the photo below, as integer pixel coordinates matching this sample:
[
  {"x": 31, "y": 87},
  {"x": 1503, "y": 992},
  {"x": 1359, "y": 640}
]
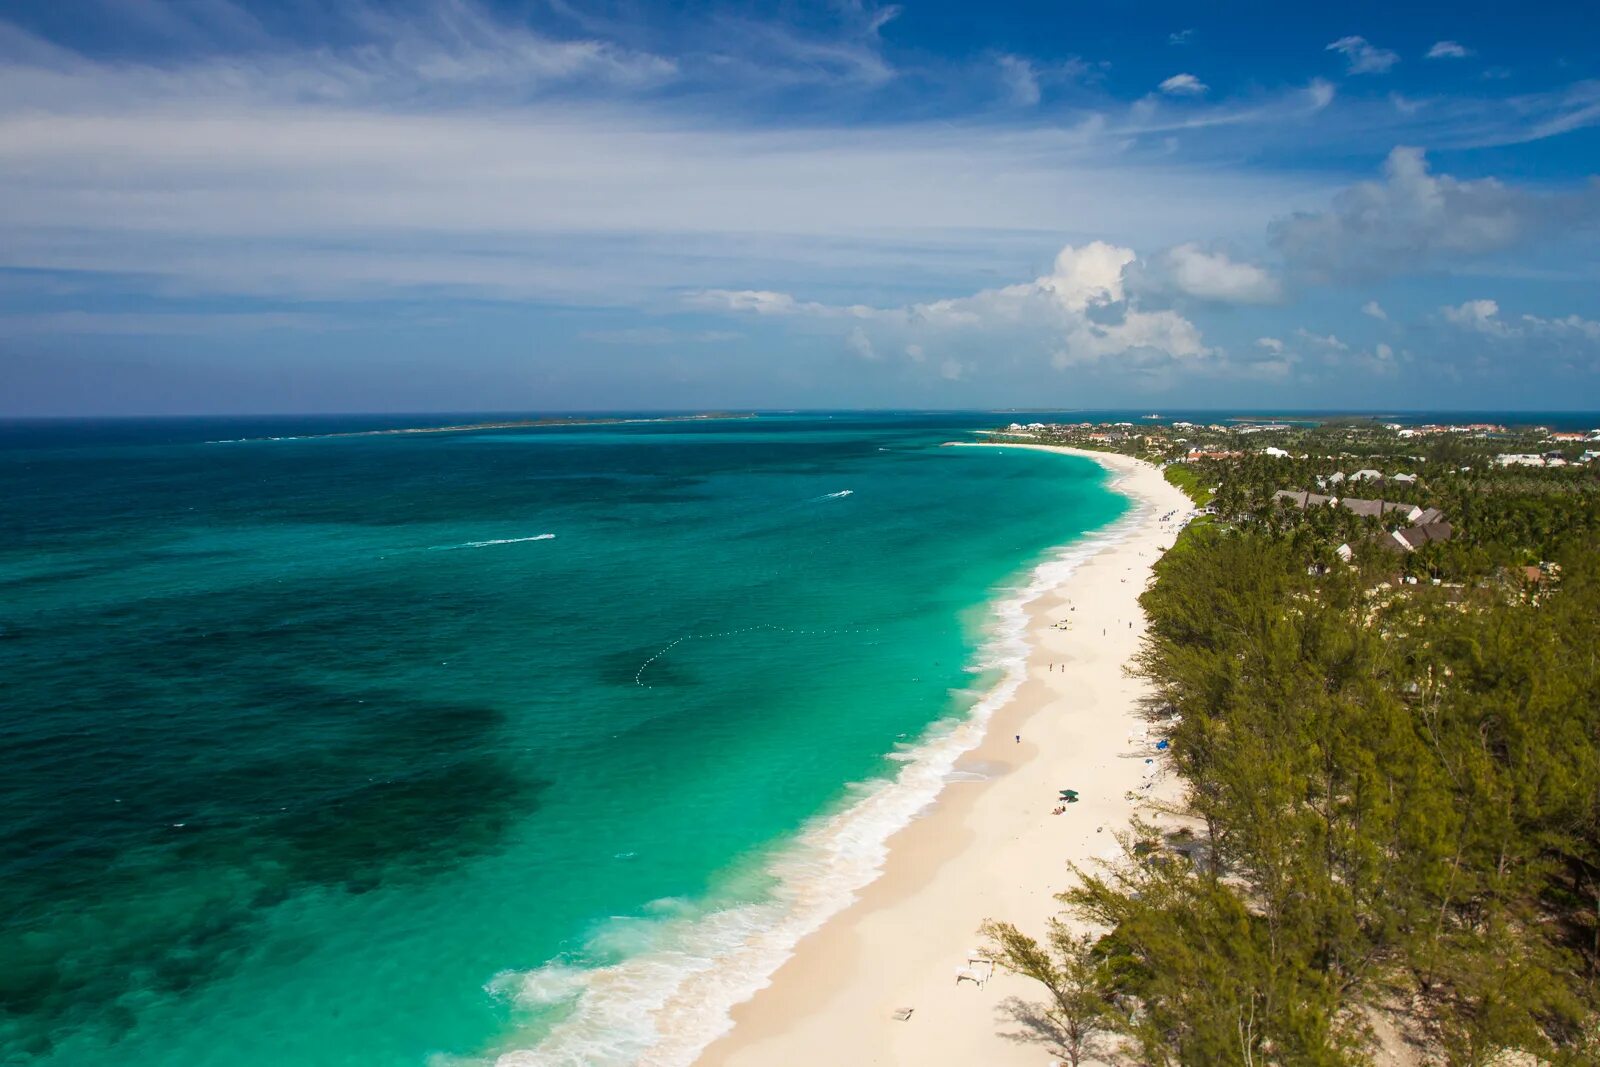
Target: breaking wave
[{"x": 688, "y": 965}]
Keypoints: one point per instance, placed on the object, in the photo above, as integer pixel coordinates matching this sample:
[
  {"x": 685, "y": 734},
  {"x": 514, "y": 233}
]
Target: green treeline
[
  {"x": 1505, "y": 516},
  {"x": 1394, "y": 803}
]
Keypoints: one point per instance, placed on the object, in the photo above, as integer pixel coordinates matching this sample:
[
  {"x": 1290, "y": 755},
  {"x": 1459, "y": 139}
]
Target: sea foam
[{"x": 663, "y": 1005}]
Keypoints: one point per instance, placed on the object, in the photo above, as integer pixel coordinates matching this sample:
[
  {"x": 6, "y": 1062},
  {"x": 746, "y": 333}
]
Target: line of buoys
[{"x": 638, "y": 675}]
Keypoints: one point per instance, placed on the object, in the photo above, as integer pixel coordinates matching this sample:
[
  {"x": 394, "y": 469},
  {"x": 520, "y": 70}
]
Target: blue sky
[{"x": 357, "y": 205}]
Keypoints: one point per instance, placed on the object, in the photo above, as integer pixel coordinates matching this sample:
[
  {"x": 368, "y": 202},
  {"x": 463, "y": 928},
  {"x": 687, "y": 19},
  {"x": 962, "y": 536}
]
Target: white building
[{"x": 1516, "y": 459}]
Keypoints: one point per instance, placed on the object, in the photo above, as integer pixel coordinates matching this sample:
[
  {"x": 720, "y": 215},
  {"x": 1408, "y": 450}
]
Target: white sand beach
[{"x": 987, "y": 848}]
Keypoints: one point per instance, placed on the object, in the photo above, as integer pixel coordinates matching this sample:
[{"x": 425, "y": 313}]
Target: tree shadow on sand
[{"x": 1024, "y": 1022}]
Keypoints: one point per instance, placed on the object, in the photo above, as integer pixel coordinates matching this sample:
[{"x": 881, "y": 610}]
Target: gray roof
[
  {"x": 1430, "y": 516},
  {"x": 1373, "y": 507},
  {"x": 1302, "y": 499},
  {"x": 1421, "y": 534}
]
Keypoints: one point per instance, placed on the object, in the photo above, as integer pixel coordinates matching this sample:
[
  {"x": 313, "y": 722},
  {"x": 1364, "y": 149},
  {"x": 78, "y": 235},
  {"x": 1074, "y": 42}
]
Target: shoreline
[{"x": 987, "y": 846}]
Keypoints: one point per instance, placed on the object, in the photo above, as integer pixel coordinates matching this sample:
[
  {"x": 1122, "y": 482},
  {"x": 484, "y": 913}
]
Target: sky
[{"x": 221, "y": 206}]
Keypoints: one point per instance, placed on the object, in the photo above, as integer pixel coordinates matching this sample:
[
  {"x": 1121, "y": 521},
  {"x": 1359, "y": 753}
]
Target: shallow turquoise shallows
[{"x": 368, "y": 750}]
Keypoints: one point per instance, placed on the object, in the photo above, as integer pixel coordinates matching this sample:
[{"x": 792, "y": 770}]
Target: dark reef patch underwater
[{"x": 286, "y": 785}]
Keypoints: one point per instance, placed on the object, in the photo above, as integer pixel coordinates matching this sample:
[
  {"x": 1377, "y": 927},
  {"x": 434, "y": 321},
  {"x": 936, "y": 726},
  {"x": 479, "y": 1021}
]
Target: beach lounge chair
[{"x": 902, "y": 1014}]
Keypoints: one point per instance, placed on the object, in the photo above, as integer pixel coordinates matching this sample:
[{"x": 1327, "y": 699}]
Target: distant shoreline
[{"x": 513, "y": 424}]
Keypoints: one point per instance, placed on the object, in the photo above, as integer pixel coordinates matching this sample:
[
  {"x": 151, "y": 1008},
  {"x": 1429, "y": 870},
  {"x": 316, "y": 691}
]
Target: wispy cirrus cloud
[
  {"x": 402, "y": 165},
  {"x": 1363, "y": 57},
  {"x": 1448, "y": 50},
  {"x": 1183, "y": 85},
  {"x": 1020, "y": 79}
]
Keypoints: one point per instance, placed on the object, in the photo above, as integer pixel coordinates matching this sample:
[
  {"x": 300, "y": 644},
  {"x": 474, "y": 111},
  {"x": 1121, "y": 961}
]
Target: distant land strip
[{"x": 514, "y": 424}]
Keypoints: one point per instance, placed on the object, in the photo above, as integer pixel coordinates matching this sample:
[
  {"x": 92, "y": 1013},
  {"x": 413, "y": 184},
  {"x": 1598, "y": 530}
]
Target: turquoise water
[{"x": 320, "y": 753}]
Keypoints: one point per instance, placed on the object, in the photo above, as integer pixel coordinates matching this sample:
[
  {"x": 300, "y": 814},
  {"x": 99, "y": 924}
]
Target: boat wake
[{"x": 486, "y": 544}]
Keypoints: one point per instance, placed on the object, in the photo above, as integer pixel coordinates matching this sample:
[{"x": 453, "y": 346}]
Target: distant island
[{"x": 509, "y": 424}]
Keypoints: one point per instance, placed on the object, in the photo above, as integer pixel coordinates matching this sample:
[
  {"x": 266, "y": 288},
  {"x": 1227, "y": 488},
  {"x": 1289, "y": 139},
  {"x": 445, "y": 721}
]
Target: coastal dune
[{"x": 989, "y": 847}]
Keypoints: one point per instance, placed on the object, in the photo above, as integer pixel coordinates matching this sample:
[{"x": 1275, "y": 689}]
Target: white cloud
[
  {"x": 1213, "y": 276},
  {"x": 759, "y": 301},
  {"x": 1180, "y": 37},
  {"x": 1020, "y": 79},
  {"x": 1183, "y": 85},
  {"x": 1572, "y": 325},
  {"x": 1375, "y": 310},
  {"x": 1321, "y": 92},
  {"x": 1361, "y": 57},
  {"x": 1413, "y": 217},
  {"x": 1448, "y": 50},
  {"x": 1479, "y": 315},
  {"x": 1271, "y": 344},
  {"x": 310, "y": 174},
  {"x": 1327, "y": 341},
  {"x": 1088, "y": 275},
  {"x": 1080, "y": 313},
  {"x": 1407, "y": 106},
  {"x": 1483, "y": 317}
]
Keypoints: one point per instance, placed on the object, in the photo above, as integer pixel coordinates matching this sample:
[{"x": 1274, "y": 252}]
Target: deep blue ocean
[{"x": 459, "y": 748}]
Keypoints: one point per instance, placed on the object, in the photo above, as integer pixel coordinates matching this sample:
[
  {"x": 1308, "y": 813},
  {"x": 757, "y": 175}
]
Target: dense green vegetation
[
  {"x": 1187, "y": 479},
  {"x": 1393, "y": 794},
  {"x": 1504, "y": 516}
]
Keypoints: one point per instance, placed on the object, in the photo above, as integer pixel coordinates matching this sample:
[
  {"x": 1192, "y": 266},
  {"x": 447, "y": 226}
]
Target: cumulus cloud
[
  {"x": 1479, "y": 315},
  {"x": 1373, "y": 309},
  {"x": 1413, "y": 218},
  {"x": 1362, "y": 57},
  {"x": 1271, "y": 344},
  {"x": 1213, "y": 276},
  {"x": 1448, "y": 50},
  {"x": 1184, "y": 85},
  {"x": 1080, "y": 313},
  {"x": 1321, "y": 92},
  {"x": 1483, "y": 317}
]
